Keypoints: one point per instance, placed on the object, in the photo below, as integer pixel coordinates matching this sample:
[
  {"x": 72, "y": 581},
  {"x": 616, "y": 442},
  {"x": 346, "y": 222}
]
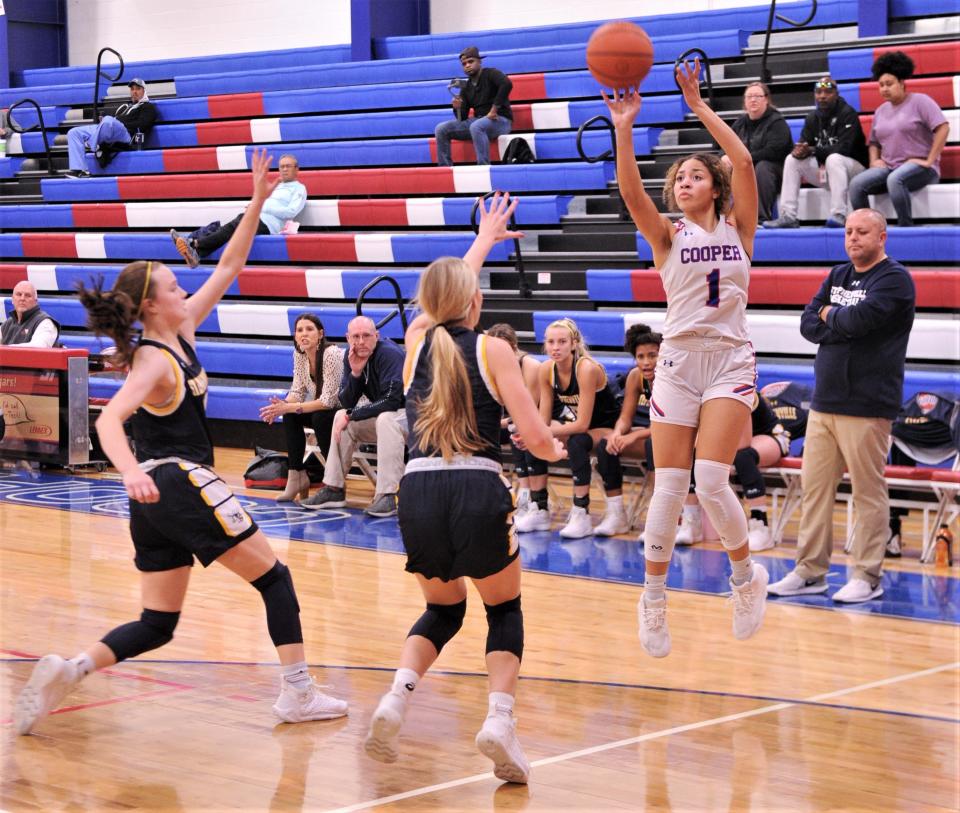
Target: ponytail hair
[
  {"x": 113, "y": 313},
  {"x": 446, "y": 419}
]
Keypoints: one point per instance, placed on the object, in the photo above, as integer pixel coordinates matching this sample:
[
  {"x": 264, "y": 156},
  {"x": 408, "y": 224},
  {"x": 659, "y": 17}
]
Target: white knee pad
[
  {"x": 720, "y": 502},
  {"x": 660, "y": 532}
]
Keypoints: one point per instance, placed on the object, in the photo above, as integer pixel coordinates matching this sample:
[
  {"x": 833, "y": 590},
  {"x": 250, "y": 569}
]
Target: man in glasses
[
  {"x": 372, "y": 367},
  {"x": 830, "y": 153}
]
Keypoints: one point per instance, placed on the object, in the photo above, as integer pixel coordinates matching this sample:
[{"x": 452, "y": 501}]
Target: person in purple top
[{"x": 907, "y": 137}]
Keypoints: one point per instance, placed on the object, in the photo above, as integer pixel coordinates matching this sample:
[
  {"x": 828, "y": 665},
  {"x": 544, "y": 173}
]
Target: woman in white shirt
[{"x": 313, "y": 399}]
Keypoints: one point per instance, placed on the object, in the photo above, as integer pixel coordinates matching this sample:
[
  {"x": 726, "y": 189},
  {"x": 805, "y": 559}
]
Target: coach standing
[{"x": 861, "y": 317}]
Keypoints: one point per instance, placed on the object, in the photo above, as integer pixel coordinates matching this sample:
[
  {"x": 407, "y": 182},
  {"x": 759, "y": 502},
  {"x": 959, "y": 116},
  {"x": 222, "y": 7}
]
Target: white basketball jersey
[{"x": 706, "y": 276}]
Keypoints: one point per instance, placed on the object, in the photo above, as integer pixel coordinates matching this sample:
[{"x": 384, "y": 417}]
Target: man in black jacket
[
  {"x": 487, "y": 93},
  {"x": 831, "y": 151},
  {"x": 113, "y": 131},
  {"x": 373, "y": 367},
  {"x": 861, "y": 319},
  {"x": 28, "y": 325}
]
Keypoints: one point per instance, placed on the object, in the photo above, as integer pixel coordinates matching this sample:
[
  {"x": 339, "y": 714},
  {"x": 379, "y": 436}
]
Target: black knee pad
[
  {"x": 578, "y": 450},
  {"x": 535, "y": 466},
  {"x": 519, "y": 460},
  {"x": 440, "y": 623},
  {"x": 283, "y": 609},
  {"x": 505, "y": 627},
  {"x": 609, "y": 467},
  {"x": 153, "y": 630},
  {"x": 747, "y": 464}
]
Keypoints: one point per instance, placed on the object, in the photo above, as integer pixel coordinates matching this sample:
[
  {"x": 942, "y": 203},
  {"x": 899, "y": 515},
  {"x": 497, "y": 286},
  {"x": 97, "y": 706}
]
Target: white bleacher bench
[{"x": 939, "y": 201}]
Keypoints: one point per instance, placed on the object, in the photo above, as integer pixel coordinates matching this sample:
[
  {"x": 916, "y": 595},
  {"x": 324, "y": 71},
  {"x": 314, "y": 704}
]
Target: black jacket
[
  {"x": 839, "y": 132},
  {"x": 863, "y": 343},
  {"x": 20, "y": 331},
  {"x": 768, "y": 138},
  {"x": 381, "y": 381},
  {"x": 492, "y": 89},
  {"x": 142, "y": 117}
]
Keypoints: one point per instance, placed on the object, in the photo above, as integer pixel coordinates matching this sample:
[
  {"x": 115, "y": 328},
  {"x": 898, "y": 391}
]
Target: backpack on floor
[
  {"x": 518, "y": 152},
  {"x": 268, "y": 469}
]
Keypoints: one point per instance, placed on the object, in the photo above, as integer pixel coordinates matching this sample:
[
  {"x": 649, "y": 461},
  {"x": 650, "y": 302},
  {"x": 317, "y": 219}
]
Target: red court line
[{"x": 112, "y": 672}]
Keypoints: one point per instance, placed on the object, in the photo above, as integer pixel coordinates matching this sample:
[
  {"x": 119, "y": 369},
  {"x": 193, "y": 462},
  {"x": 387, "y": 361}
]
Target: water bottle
[{"x": 943, "y": 552}]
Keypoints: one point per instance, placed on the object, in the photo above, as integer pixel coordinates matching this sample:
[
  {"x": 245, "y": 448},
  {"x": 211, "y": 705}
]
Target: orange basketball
[{"x": 619, "y": 55}]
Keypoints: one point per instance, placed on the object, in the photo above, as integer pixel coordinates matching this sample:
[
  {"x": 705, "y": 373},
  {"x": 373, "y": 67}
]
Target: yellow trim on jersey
[
  {"x": 485, "y": 368},
  {"x": 410, "y": 363},
  {"x": 179, "y": 391}
]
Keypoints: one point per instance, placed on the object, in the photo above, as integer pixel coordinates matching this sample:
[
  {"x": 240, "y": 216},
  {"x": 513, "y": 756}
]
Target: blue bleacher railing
[
  {"x": 400, "y": 310},
  {"x": 524, "y": 286},
  {"x": 101, "y": 74},
  {"x": 765, "y": 75},
  {"x": 15, "y": 126}
]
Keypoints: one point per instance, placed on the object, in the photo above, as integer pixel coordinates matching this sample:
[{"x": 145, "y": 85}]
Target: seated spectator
[
  {"x": 284, "y": 204},
  {"x": 112, "y": 132},
  {"x": 312, "y": 401},
  {"x": 576, "y": 402},
  {"x": 763, "y": 443},
  {"x": 487, "y": 92},
  {"x": 766, "y": 135},
  {"x": 524, "y": 463},
  {"x": 372, "y": 367},
  {"x": 831, "y": 151},
  {"x": 27, "y": 325},
  {"x": 631, "y": 434},
  {"x": 908, "y": 134}
]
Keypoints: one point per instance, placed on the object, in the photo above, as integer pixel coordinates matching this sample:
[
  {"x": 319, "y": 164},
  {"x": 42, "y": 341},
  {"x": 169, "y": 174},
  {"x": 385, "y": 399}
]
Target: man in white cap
[{"x": 112, "y": 131}]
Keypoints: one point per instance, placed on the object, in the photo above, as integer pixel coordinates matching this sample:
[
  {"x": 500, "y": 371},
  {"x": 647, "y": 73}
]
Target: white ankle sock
[
  {"x": 500, "y": 703},
  {"x": 84, "y": 664},
  {"x": 405, "y": 681},
  {"x": 655, "y": 587},
  {"x": 742, "y": 571},
  {"x": 615, "y": 503},
  {"x": 297, "y": 674}
]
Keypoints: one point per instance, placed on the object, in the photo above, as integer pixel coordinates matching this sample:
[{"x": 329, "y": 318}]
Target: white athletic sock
[
  {"x": 500, "y": 703},
  {"x": 84, "y": 664},
  {"x": 655, "y": 587},
  {"x": 742, "y": 571},
  {"x": 404, "y": 682},
  {"x": 615, "y": 502},
  {"x": 297, "y": 675}
]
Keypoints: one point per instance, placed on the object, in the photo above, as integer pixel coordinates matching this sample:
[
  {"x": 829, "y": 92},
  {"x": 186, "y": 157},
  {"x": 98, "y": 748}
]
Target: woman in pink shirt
[{"x": 907, "y": 137}]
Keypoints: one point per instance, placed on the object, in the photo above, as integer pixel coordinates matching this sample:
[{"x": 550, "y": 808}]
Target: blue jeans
[
  {"x": 481, "y": 131},
  {"x": 899, "y": 182},
  {"x": 108, "y": 131}
]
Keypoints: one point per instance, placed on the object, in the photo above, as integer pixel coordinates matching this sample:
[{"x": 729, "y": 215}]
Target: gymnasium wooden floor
[{"x": 824, "y": 710}]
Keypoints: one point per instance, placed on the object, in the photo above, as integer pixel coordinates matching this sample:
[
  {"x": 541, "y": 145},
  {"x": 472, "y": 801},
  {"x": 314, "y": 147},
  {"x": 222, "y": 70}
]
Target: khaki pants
[
  {"x": 388, "y": 431},
  {"x": 860, "y": 444}
]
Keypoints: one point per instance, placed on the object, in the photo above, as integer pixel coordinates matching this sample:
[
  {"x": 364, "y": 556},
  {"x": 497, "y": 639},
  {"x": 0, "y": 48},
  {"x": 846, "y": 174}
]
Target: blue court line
[
  {"x": 924, "y": 597},
  {"x": 568, "y": 681}
]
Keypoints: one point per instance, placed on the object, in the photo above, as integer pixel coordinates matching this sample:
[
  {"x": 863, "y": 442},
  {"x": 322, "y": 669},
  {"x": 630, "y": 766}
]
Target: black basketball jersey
[
  {"x": 418, "y": 380},
  {"x": 179, "y": 427},
  {"x": 763, "y": 419},
  {"x": 790, "y": 402},
  {"x": 924, "y": 427},
  {"x": 642, "y": 416},
  {"x": 566, "y": 402}
]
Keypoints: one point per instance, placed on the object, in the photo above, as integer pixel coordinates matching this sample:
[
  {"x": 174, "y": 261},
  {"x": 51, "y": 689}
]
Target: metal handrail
[
  {"x": 399, "y": 298},
  {"x": 15, "y": 126},
  {"x": 611, "y": 153},
  {"x": 100, "y": 73},
  {"x": 705, "y": 62},
  {"x": 523, "y": 286},
  {"x": 765, "y": 74}
]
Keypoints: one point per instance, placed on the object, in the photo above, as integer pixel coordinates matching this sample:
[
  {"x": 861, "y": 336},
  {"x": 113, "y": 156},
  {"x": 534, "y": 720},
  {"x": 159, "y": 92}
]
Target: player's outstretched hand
[
  {"x": 263, "y": 183},
  {"x": 624, "y": 106},
  {"x": 495, "y": 221},
  {"x": 689, "y": 80}
]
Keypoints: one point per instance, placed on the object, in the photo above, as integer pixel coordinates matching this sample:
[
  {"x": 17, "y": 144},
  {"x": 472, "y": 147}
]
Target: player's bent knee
[
  {"x": 505, "y": 627},
  {"x": 747, "y": 464},
  {"x": 152, "y": 631},
  {"x": 720, "y": 502},
  {"x": 280, "y": 599},
  {"x": 440, "y": 623}
]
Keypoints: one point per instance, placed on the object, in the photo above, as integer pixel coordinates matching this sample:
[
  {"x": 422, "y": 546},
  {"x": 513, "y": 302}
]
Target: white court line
[{"x": 653, "y": 735}]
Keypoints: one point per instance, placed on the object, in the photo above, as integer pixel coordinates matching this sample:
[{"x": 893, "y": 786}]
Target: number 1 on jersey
[{"x": 713, "y": 288}]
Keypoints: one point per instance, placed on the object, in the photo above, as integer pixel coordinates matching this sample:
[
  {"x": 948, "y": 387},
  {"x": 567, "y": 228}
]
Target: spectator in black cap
[
  {"x": 113, "y": 132},
  {"x": 486, "y": 94}
]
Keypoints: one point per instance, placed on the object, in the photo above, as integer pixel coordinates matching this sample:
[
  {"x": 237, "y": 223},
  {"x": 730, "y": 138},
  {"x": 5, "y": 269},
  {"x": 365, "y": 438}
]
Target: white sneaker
[
  {"x": 381, "y": 741},
  {"x": 758, "y": 535},
  {"x": 535, "y": 519},
  {"x": 296, "y": 706},
  {"x": 654, "y": 632},
  {"x": 794, "y": 585},
  {"x": 51, "y": 681},
  {"x": 857, "y": 590},
  {"x": 578, "y": 524},
  {"x": 691, "y": 528},
  {"x": 614, "y": 522},
  {"x": 750, "y": 603},
  {"x": 498, "y": 741}
]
